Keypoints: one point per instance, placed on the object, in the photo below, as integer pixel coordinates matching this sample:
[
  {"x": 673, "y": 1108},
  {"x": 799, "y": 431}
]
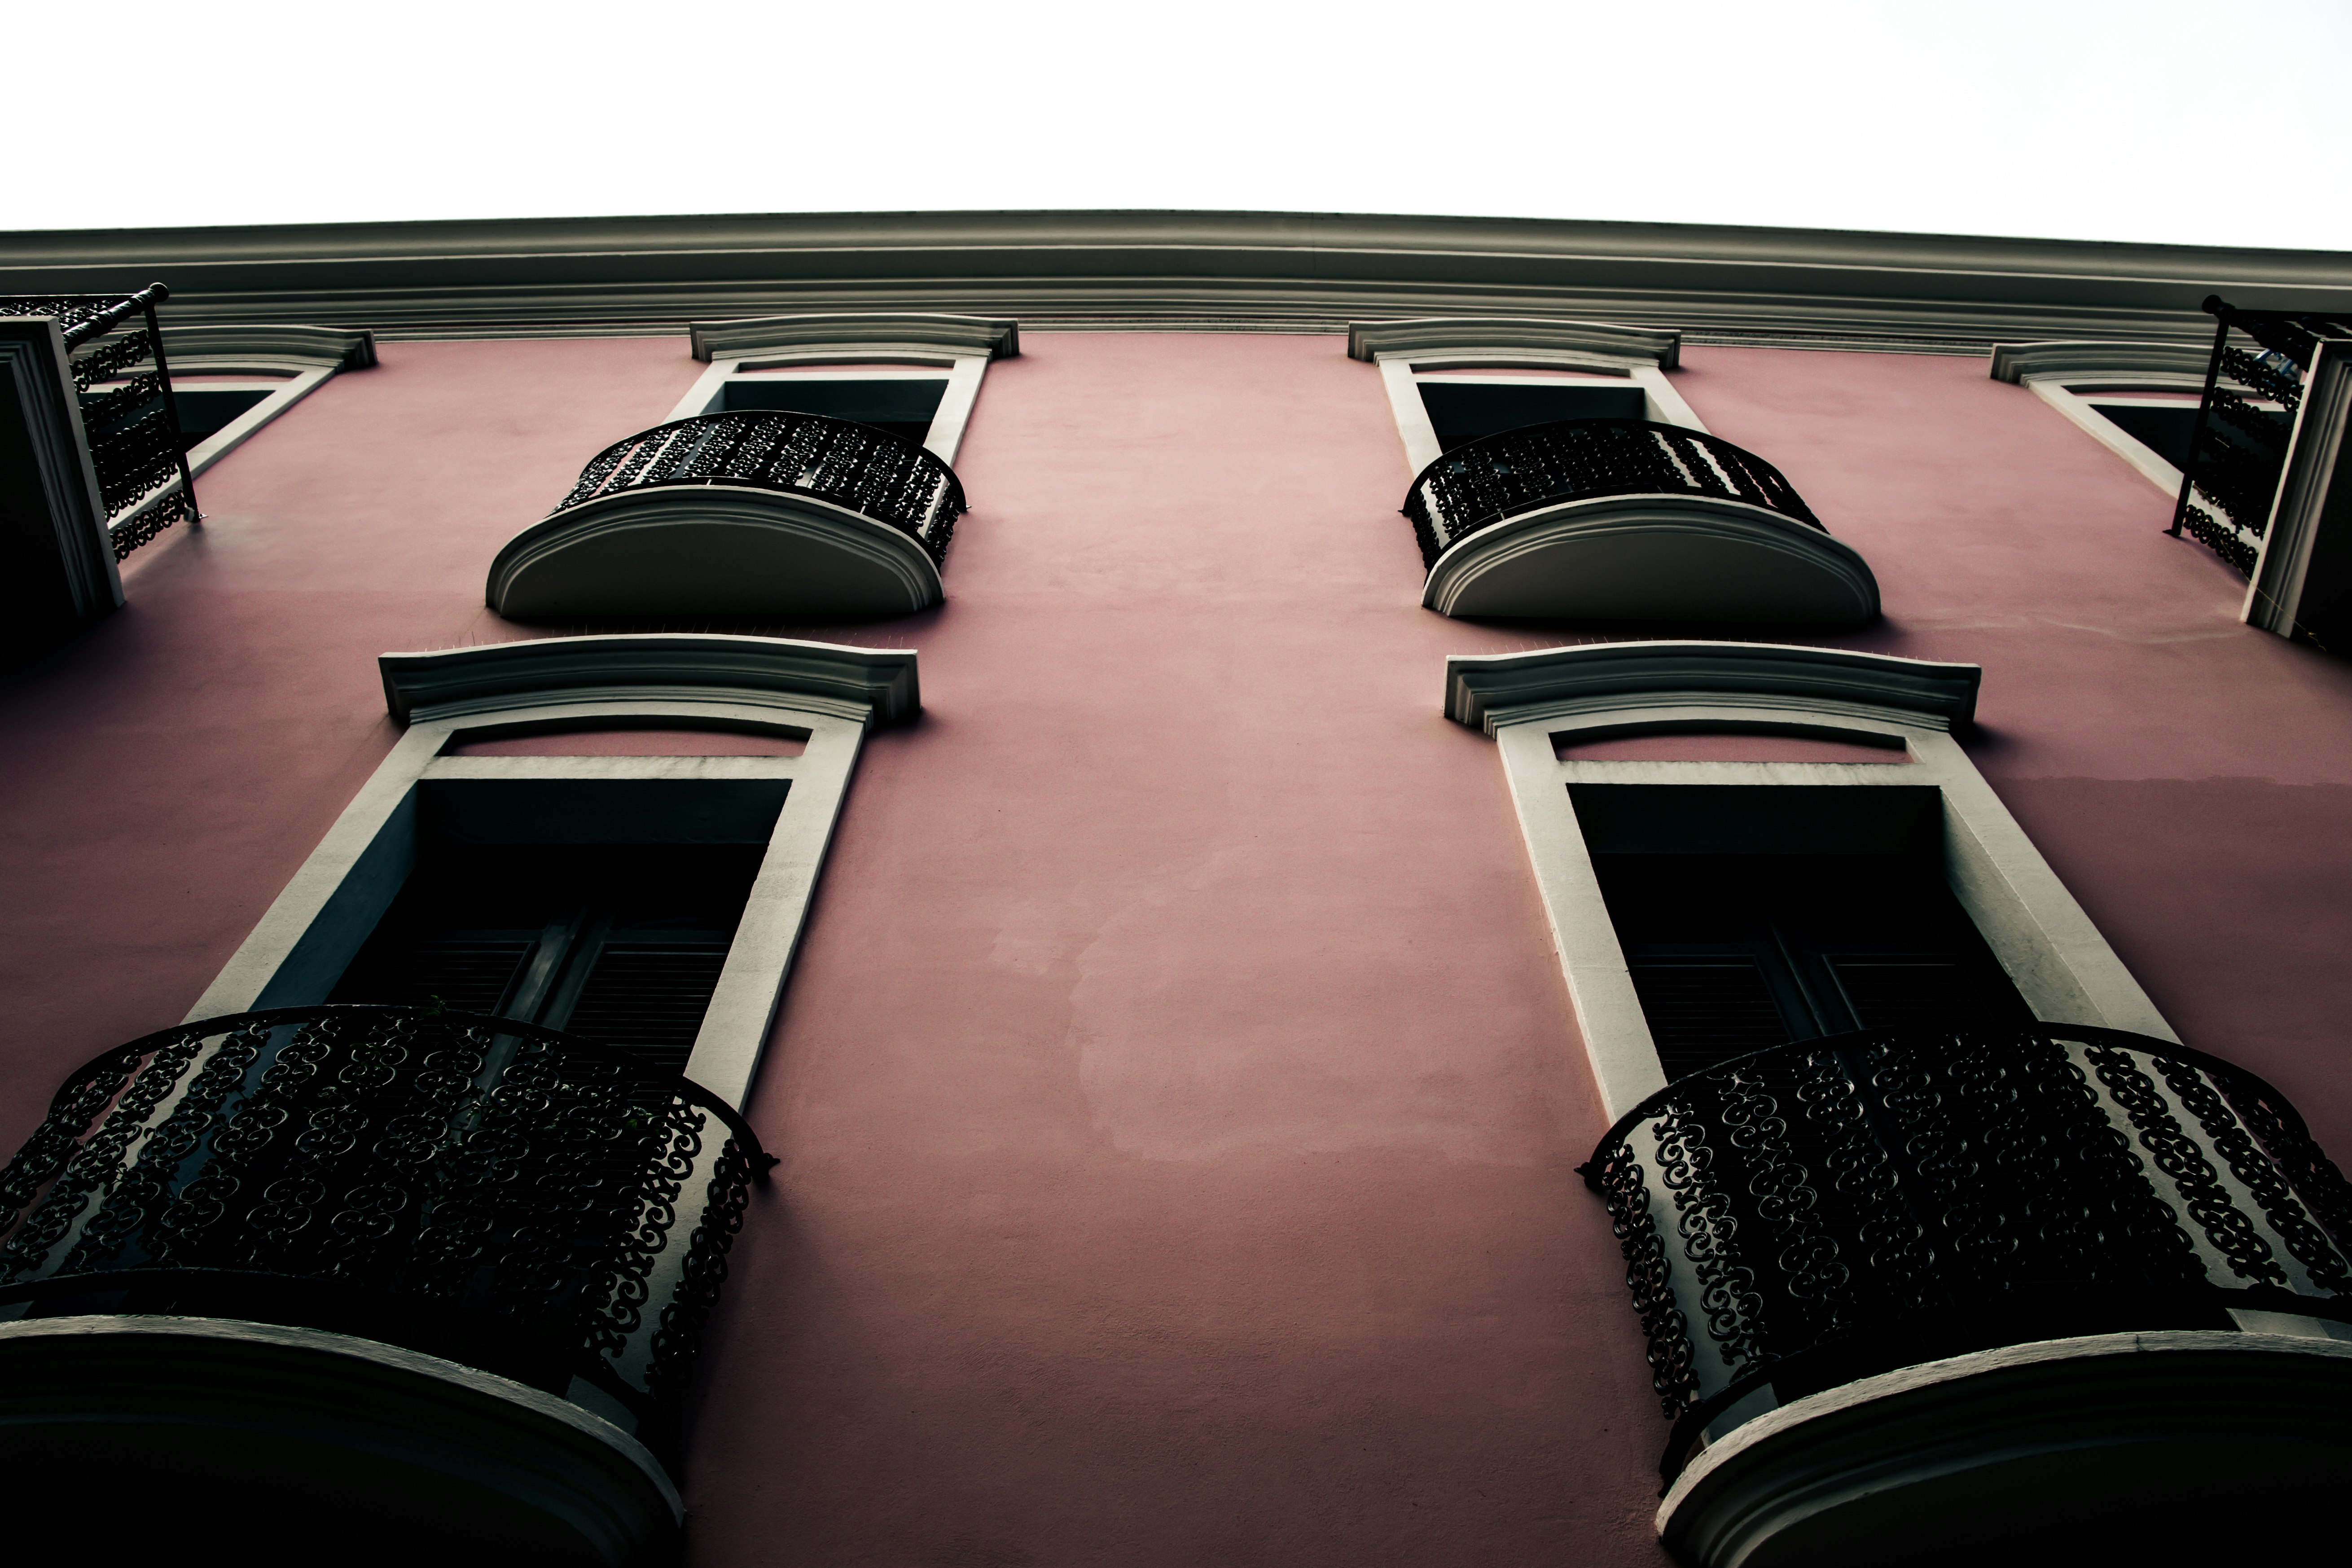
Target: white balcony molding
[
  {"x": 824, "y": 694},
  {"x": 420, "y": 1447},
  {"x": 710, "y": 549},
  {"x": 2280, "y": 596},
  {"x": 1660, "y": 557},
  {"x": 2060, "y": 964},
  {"x": 1604, "y": 343},
  {"x": 1962, "y": 1454}
]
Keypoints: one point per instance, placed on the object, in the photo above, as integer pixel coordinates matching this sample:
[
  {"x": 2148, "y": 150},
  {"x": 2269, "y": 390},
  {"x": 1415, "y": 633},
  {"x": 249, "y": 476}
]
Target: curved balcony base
[
  {"x": 1655, "y": 557},
  {"x": 292, "y": 1445},
  {"x": 2105, "y": 1449},
  {"x": 710, "y": 549}
]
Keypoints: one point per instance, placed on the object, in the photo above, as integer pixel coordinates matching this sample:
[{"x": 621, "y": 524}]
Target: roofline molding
[
  {"x": 854, "y": 682},
  {"x": 1432, "y": 336},
  {"x": 2019, "y": 362},
  {"x": 1178, "y": 271},
  {"x": 869, "y": 332},
  {"x": 1488, "y": 691}
]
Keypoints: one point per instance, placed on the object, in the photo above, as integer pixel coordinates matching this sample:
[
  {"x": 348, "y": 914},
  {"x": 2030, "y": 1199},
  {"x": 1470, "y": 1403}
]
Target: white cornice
[
  {"x": 870, "y": 332},
  {"x": 1436, "y": 335},
  {"x": 2017, "y": 362},
  {"x": 1200, "y": 270},
  {"x": 1485, "y": 690},
  {"x": 495, "y": 677},
  {"x": 260, "y": 342}
]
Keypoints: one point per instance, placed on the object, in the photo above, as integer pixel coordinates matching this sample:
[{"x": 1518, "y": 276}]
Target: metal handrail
[
  {"x": 479, "y": 1189},
  {"x": 864, "y": 469},
  {"x": 1482, "y": 482},
  {"x": 1809, "y": 1215}
]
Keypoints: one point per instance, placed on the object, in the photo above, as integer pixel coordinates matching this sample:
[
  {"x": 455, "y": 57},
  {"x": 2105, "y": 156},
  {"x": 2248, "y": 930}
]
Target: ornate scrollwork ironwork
[
  {"x": 868, "y": 470},
  {"x": 132, "y": 429},
  {"x": 1859, "y": 1203},
  {"x": 1482, "y": 482},
  {"x": 475, "y": 1188},
  {"x": 2238, "y": 450}
]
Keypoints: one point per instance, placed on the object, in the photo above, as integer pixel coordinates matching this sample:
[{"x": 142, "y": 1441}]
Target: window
[
  {"x": 917, "y": 376},
  {"x": 229, "y": 381},
  {"x": 648, "y": 896},
  {"x": 1702, "y": 908},
  {"x": 2138, "y": 400},
  {"x": 1452, "y": 381}
]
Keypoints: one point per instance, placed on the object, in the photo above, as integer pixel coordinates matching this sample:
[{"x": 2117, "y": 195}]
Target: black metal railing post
[
  {"x": 150, "y": 297},
  {"x": 2219, "y": 309}
]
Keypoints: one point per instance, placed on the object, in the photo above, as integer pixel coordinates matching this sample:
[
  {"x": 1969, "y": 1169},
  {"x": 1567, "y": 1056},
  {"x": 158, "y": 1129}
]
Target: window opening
[
  {"x": 903, "y": 406},
  {"x": 1731, "y": 953},
  {"x": 1466, "y": 411},
  {"x": 621, "y": 944}
]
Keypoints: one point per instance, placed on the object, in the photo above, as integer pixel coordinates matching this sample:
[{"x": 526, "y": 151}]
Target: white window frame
[
  {"x": 297, "y": 360},
  {"x": 956, "y": 350},
  {"x": 2062, "y": 966},
  {"x": 1405, "y": 351},
  {"x": 2076, "y": 378},
  {"x": 826, "y": 693}
]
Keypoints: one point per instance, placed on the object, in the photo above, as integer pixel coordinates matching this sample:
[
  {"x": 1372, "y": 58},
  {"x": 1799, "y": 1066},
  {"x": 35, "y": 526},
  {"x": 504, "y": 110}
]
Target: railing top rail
[
  {"x": 1482, "y": 482},
  {"x": 868, "y": 470},
  {"x": 627, "y": 1066},
  {"x": 2088, "y": 1034}
]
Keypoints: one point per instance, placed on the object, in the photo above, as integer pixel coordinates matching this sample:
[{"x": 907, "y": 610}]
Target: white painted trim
[
  {"x": 317, "y": 924},
  {"x": 2061, "y": 964},
  {"x": 2077, "y": 360},
  {"x": 945, "y": 437},
  {"x": 1671, "y": 557},
  {"x": 710, "y": 549},
  {"x": 1417, "y": 337},
  {"x": 868, "y": 333},
  {"x": 1400, "y": 378},
  {"x": 1879, "y": 1468},
  {"x": 2109, "y": 434}
]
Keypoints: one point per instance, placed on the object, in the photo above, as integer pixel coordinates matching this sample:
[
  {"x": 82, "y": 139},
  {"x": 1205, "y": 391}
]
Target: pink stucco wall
[{"x": 1176, "y": 1094}]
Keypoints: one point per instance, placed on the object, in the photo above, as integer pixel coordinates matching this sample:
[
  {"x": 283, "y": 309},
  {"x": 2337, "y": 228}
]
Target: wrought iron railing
[
  {"x": 868, "y": 470},
  {"x": 488, "y": 1192},
  {"x": 1821, "y": 1212},
  {"x": 2237, "y": 449},
  {"x": 1482, "y": 482},
  {"x": 128, "y": 412}
]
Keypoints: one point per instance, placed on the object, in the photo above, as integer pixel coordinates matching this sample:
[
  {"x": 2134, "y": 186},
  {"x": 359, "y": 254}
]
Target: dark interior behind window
[
  {"x": 618, "y": 943},
  {"x": 904, "y": 408},
  {"x": 1731, "y": 953},
  {"x": 1464, "y": 411}
]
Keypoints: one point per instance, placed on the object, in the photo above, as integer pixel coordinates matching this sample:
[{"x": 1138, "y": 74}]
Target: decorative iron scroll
[
  {"x": 866, "y": 469},
  {"x": 1481, "y": 483},
  {"x": 129, "y": 415},
  {"x": 489, "y": 1192},
  {"x": 2238, "y": 447},
  {"x": 1818, "y": 1212}
]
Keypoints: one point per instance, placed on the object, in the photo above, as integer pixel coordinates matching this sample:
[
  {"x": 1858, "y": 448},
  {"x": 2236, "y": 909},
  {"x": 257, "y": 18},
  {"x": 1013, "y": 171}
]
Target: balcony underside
[
  {"x": 276, "y": 1440},
  {"x": 2113, "y": 1449},
  {"x": 1655, "y": 557},
  {"x": 710, "y": 549}
]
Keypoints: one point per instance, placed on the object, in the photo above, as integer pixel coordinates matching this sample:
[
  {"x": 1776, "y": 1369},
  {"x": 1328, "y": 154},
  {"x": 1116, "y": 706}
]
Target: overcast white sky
[{"x": 2080, "y": 119}]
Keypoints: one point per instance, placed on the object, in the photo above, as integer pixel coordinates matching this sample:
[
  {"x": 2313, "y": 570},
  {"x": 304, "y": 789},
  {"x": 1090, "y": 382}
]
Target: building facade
[{"x": 1234, "y": 982}]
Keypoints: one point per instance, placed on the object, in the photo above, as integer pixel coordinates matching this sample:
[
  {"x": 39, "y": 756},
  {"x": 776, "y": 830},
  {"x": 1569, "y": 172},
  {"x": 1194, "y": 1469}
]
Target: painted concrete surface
[{"x": 1176, "y": 1094}]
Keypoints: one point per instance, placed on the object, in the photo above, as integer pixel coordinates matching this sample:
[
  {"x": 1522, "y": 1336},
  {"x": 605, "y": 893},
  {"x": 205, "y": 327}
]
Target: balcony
[
  {"x": 1918, "y": 1296},
  {"x": 442, "y": 1274},
  {"x": 1626, "y": 519},
  {"x": 2268, "y": 479},
  {"x": 94, "y": 464},
  {"x": 742, "y": 513}
]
